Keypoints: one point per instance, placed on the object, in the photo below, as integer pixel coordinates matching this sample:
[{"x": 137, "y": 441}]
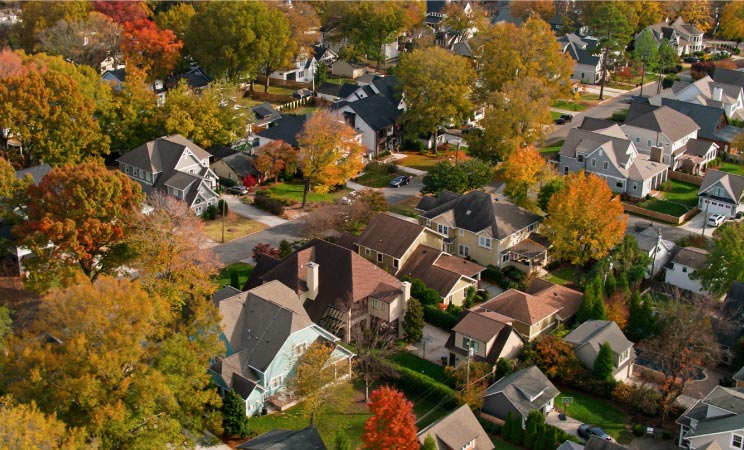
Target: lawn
[
  {"x": 554, "y": 115},
  {"x": 292, "y": 191},
  {"x": 406, "y": 207},
  {"x": 562, "y": 276},
  {"x": 555, "y": 147},
  {"x": 736, "y": 169},
  {"x": 501, "y": 444},
  {"x": 244, "y": 272},
  {"x": 590, "y": 97},
  {"x": 420, "y": 365},
  {"x": 235, "y": 226},
  {"x": 376, "y": 179},
  {"x": 597, "y": 412},
  {"x": 681, "y": 198},
  {"x": 426, "y": 162},
  {"x": 568, "y": 105}
]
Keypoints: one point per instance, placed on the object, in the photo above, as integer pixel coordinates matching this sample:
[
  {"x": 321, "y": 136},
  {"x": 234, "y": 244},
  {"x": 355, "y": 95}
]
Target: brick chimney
[{"x": 312, "y": 279}]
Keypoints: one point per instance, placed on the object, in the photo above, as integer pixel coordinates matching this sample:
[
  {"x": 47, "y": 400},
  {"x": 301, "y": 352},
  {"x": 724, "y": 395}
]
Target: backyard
[
  {"x": 555, "y": 147},
  {"x": 292, "y": 191},
  {"x": 679, "y": 199},
  {"x": 599, "y": 412},
  {"x": 244, "y": 272},
  {"x": 406, "y": 207},
  {"x": 425, "y": 162},
  {"x": 561, "y": 275},
  {"x": 736, "y": 169},
  {"x": 235, "y": 226}
]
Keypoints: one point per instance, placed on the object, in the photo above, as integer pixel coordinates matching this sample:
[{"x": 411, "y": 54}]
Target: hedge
[
  {"x": 269, "y": 205},
  {"x": 439, "y": 318},
  {"x": 411, "y": 381}
]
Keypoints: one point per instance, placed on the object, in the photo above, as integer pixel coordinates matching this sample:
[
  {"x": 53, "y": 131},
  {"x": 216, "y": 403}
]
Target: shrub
[
  {"x": 619, "y": 116},
  {"x": 639, "y": 430},
  {"x": 226, "y": 183},
  {"x": 669, "y": 80},
  {"x": 413, "y": 144},
  {"x": 409, "y": 380},
  {"x": 424, "y": 294},
  {"x": 210, "y": 213},
  {"x": 222, "y": 207},
  {"x": 666, "y": 186},
  {"x": 439, "y": 318},
  {"x": 268, "y": 204},
  {"x": 490, "y": 427},
  {"x": 380, "y": 167}
]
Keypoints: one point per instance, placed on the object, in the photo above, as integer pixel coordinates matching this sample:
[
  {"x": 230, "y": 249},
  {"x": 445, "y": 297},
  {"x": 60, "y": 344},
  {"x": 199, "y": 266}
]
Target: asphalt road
[{"x": 240, "y": 249}]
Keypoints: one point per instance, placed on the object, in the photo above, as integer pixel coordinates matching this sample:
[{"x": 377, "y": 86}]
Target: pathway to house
[
  {"x": 250, "y": 212},
  {"x": 435, "y": 340}
]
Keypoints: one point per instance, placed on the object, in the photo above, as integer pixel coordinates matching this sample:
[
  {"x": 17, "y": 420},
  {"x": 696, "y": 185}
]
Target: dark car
[
  {"x": 238, "y": 190},
  {"x": 400, "y": 180},
  {"x": 692, "y": 59},
  {"x": 585, "y": 430},
  {"x": 560, "y": 121},
  {"x": 566, "y": 117}
]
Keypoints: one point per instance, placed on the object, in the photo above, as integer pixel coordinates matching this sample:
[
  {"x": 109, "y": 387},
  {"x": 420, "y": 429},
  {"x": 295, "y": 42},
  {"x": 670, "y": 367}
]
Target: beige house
[
  {"x": 489, "y": 335},
  {"x": 591, "y": 335},
  {"x": 481, "y": 227}
]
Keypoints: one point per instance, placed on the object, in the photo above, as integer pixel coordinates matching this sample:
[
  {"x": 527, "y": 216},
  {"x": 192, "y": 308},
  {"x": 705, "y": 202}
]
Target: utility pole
[
  {"x": 604, "y": 67},
  {"x": 224, "y": 204},
  {"x": 467, "y": 373},
  {"x": 705, "y": 217}
]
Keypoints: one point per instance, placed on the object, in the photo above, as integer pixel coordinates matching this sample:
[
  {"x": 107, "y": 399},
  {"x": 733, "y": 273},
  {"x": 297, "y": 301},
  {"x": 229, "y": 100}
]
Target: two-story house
[
  {"x": 459, "y": 430},
  {"x": 338, "y": 287},
  {"x": 716, "y": 419},
  {"x": 285, "y": 128},
  {"x": 265, "y": 331},
  {"x": 301, "y": 69},
  {"x": 600, "y": 147},
  {"x": 721, "y": 193},
  {"x": 175, "y": 166},
  {"x": 685, "y": 38},
  {"x": 587, "y": 339},
  {"x": 714, "y": 125},
  {"x": 484, "y": 336},
  {"x": 480, "y": 226},
  {"x": 583, "y": 50},
  {"x": 407, "y": 249},
  {"x": 520, "y": 393},
  {"x": 685, "y": 263},
  {"x": 706, "y": 91}
]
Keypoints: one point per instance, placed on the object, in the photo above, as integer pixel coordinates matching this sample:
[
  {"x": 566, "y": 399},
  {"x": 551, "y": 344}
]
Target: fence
[
  {"x": 637, "y": 210},
  {"x": 687, "y": 178},
  {"x": 294, "y": 104}
]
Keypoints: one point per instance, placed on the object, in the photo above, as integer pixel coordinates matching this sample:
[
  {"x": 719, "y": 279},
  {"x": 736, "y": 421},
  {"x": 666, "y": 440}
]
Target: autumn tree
[
  {"x": 275, "y": 158},
  {"x": 616, "y": 307},
  {"x": 25, "y": 427},
  {"x": 459, "y": 178},
  {"x": 683, "y": 345},
  {"x": 521, "y": 172},
  {"x": 47, "y": 113},
  {"x": 264, "y": 249},
  {"x": 556, "y": 358},
  {"x": 155, "y": 50},
  {"x": 40, "y": 15},
  {"x": 392, "y": 424},
  {"x": 732, "y": 22},
  {"x": 457, "y": 20},
  {"x": 274, "y": 47},
  {"x": 374, "y": 345},
  {"x": 329, "y": 152},
  {"x": 725, "y": 263},
  {"x": 611, "y": 27},
  {"x": 436, "y": 85},
  {"x": 585, "y": 219},
  {"x": 648, "y": 12},
  {"x": 301, "y": 17},
  {"x": 471, "y": 385},
  {"x": 176, "y": 18},
  {"x": 122, "y": 12},
  {"x": 371, "y": 25},
  {"x": 86, "y": 213},
  {"x": 139, "y": 386},
  {"x": 101, "y": 39},
  {"x": 544, "y": 9},
  {"x": 413, "y": 321},
  {"x": 322, "y": 380},
  {"x": 698, "y": 13}
]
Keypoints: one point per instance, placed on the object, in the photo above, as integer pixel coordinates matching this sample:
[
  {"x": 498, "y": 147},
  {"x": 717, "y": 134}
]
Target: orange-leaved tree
[
  {"x": 521, "y": 172},
  {"x": 145, "y": 45},
  {"x": 585, "y": 219},
  {"x": 392, "y": 425},
  {"x": 329, "y": 152},
  {"x": 274, "y": 158}
]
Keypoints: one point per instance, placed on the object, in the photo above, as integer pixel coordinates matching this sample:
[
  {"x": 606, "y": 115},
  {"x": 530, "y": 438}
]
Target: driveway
[
  {"x": 395, "y": 195},
  {"x": 434, "y": 341},
  {"x": 570, "y": 425},
  {"x": 250, "y": 212},
  {"x": 241, "y": 249}
]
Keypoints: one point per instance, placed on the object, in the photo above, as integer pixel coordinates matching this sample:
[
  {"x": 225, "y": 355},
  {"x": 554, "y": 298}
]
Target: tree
[
  {"x": 117, "y": 362},
  {"x": 684, "y": 343},
  {"x": 429, "y": 443},
  {"x": 534, "y": 427},
  {"x": 521, "y": 172},
  {"x": 646, "y": 52},
  {"x": 472, "y": 385},
  {"x": 585, "y": 220},
  {"x": 101, "y": 39},
  {"x": 592, "y": 307},
  {"x": 616, "y": 307},
  {"x": 342, "y": 441},
  {"x": 544, "y": 9},
  {"x": 547, "y": 190},
  {"x": 375, "y": 344},
  {"x": 176, "y": 18},
  {"x": 436, "y": 85},
  {"x": 39, "y": 15},
  {"x": 371, "y": 25},
  {"x": 321, "y": 380},
  {"x": 274, "y": 158},
  {"x": 556, "y": 358},
  {"x": 49, "y": 116},
  {"x": 611, "y": 27},
  {"x": 642, "y": 321},
  {"x": 462, "y": 177},
  {"x": 25, "y": 427},
  {"x": 392, "y": 424},
  {"x": 514, "y": 432},
  {"x": 631, "y": 261},
  {"x": 649, "y": 12},
  {"x": 123, "y": 12},
  {"x": 667, "y": 59},
  {"x": 274, "y": 48},
  {"x": 155, "y": 50},
  {"x": 234, "y": 420},
  {"x": 86, "y": 213},
  {"x": 457, "y": 20},
  {"x": 413, "y": 322},
  {"x": 301, "y": 17},
  {"x": 329, "y": 152},
  {"x": 732, "y": 22},
  {"x": 603, "y": 364},
  {"x": 697, "y": 13},
  {"x": 264, "y": 249},
  {"x": 725, "y": 263}
]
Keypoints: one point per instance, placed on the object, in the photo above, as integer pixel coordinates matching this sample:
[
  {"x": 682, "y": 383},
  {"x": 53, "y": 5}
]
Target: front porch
[{"x": 529, "y": 255}]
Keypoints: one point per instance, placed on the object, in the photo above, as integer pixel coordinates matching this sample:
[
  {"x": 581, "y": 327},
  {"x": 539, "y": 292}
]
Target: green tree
[
  {"x": 413, "y": 322},
  {"x": 725, "y": 263},
  {"x": 610, "y": 25},
  {"x": 176, "y": 18},
  {"x": 234, "y": 420},
  {"x": 370, "y": 25},
  {"x": 646, "y": 53},
  {"x": 460, "y": 178},
  {"x": 732, "y": 22},
  {"x": 534, "y": 427},
  {"x": 436, "y": 85},
  {"x": 642, "y": 323},
  {"x": 235, "y": 279},
  {"x": 274, "y": 48},
  {"x": 429, "y": 443},
  {"x": 515, "y": 433},
  {"x": 603, "y": 364},
  {"x": 547, "y": 190},
  {"x": 341, "y": 441},
  {"x": 6, "y": 324}
]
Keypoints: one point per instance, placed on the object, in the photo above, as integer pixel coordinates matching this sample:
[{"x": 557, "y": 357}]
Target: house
[
  {"x": 714, "y": 125},
  {"x": 670, "y": 133},
  {"x": 234, "y": 167},
  {"x": 406, "y": 248},
  {"x": 488, "y": 335},
  {"x": 685, "y": 38},
  {"x": 587, "y": 339},
  {"x": 459, "y": 430},
  {"x": 301, "y": 69},
  {"x": 175, "y": 166},
  {"x": 37, "y": 173},
  {"x": 305, "y": 439},
  {"x": 338, "y": 287},
  {"x": 588, "y": 62},
  {"x": 600, "y": 147},
  {"x": 715, "y": 421},
  {"x": 487, "y": 230},
  {"x": 335, "y": 92},
  {"x": 346, "y": 69},
  {"x": 520, "y": 393},
  {"x": 728, "y": 76},
  {"x": 285, "y": 128},
  {"x": 539, "y": 310},
  {"x": 721, "y": 193},
  {"x": 738, "y": 378},
  {"x": 264, "y": 115},
  {"x": 706, "y": 91},
  {"x": 684, "y": 264},
  {"x": 195, "y": 76},
  {"x": 324, "y": 54},
  {"x": 265, "y": 331},
  {"x": 115, "y": 77},
  {"x": 650, "y": 242}
]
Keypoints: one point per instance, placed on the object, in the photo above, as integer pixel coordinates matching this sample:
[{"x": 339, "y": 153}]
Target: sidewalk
[{"x": 250, "y": 212}]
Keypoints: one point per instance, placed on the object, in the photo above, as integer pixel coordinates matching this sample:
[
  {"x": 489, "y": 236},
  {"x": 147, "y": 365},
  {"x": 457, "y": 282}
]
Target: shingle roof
[
  {"x": 728, "y": 76},
  {"x": 36, "y": 172},
  {"x": 337, "y": 90},
  {"x": 390, "y": 235},
  {"x": 278, "y": 439},
  {"x": 456, "y": 430},
  {"x": 580, "y": 49},
  {"x": 565, "y": 299},
  {"x": 241, "y": 164},
  {"x": 692, "y": 257},
  {"x": 527, "y": 389},
  {"x": 521, "y": 306},
  {"x": 265, "y": 113},
  {"x": 739, "y": 375},
  {"x": 376, "y": 110},
  {"x": 481, "y": 325},
  {"x": 734, "y": 184},
  {"x": 665, "y": 120},
  {"x": 594, "y": 333},
  {"x": 707, "y": 117},
  {"x": 285, "y": 128},
  {"x": 570, "y": 445}
]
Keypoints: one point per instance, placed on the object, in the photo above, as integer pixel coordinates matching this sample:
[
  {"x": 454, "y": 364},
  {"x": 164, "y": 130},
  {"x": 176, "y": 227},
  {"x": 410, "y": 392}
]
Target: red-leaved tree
[
  {"x": 393, "y": 424},
  {"x": 147, "y": 46},
  {"x": 122, "y": 12},
  {"x": 249, "y": 181}
]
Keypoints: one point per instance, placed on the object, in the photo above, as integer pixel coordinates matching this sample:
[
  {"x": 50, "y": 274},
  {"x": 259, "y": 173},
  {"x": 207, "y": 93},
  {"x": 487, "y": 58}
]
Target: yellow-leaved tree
[{"x": 521, "y": 172}]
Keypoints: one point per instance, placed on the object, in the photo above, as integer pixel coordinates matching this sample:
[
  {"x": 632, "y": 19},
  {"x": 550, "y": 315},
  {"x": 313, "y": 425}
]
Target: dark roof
[
  {"x": 376, "y": 110},
  {"x": 527, "y": 389},
  {"x": 707, "y": 117},
  {"x": 265, "y": 113},
  {"x": 337, "y": 90},
  {"x": 305, "y": 439},
  {"x": 387, "y": 86},
  {"x": 692, "y": 257},
  {"x": 595, "y": 443},
  {"x": 220, "y": 151},
  {"x": 594, "y": 333},
  {"x": 241, "y": 164},
  {"x": 36, "y": 172},
  {"x": 593, "y": 124},
  {"x": 285, "y": 128},
  {"x": 118, "y": 74},
  {"x": 195, "y": 77},
  {"x": 580, "y": 49},
  {"x": 456, "y": 430},
  {"x": 728, "y": 76},
  {"x": 435, "y": 6},
  {"x": 390, "y": 235}
]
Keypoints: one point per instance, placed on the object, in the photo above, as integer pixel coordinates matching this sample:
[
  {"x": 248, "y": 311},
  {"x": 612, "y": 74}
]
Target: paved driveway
[
  {"x": 570, "y": 425},
  {"x": 241, "y": 249},
  {"x": 240, "y": 208},
  {"x": 435, "y": 339}
]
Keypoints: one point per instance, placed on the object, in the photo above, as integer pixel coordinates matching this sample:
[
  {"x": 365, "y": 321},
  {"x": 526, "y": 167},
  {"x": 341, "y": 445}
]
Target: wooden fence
[
  {"x": 637, "y": 210},
  {"x": 294, "y": 104},
  {"x": 687, "y": 178}
]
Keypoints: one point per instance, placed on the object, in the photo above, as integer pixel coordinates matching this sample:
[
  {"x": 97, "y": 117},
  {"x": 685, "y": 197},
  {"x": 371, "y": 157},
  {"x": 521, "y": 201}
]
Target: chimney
[
  {"x": 406, "y": 288},
  {"x": 717, "y": 94},
  {"x": 657, "y": 154},
  {"x": 312, "y": 279}
]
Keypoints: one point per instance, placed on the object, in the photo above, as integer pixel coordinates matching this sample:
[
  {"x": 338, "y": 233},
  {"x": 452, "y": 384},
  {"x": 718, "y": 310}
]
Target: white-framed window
[
  {"x": 198, "y": 210},
  {"x": 135, "y": 172},
  {"x": 148, "y": 176},
  {"x": 300, "y": 348},
  {"x": 128, "y": 169},
  {"x": 469, "y": 445},
  {"x": 594, "y": 162},
  {"x": 718, "y": 191},
  {"x": 624, "y": 356},
  {"x": 468, "y": 343},
  {"x": 505, "y": 258},
  {"x": 276, "y": 382},
  {"x": 638, "y": 140},
  {"x": 396, "y": 262},
  {"x": 619, "y": 183},
  {"x": 580, "y": 158},
  {"x": 736, "y": 440},
  {"x": 684, "y": 269},
  {"x": 531, "y": 228},
  {"x": 443, "y": 229},
  {"x": 428, "y": 222},
  {"x": 379, "y": 257},
  {"x": 301, "y": 74},
  {"x": 484, "y": 241},
  {"x": 605, "y": 165},
  {"x": 461, "y": 232},
  {"x": 463, "y": 250},
  {"x": 376, "y": 304},
  {"x": 366, "y": 252},
  {"x": 649, "y": 142},
  {"x": 635, "y": 186}
]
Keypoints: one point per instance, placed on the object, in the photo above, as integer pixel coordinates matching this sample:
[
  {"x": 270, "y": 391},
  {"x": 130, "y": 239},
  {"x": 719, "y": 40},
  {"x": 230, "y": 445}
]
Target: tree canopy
[
  {"x": 275, "y": 158},
  {"x": 732, "y": 21},
  {"x": 610, "y": 25},
  {"x": 521, "y": 173},
  {"x": 457, "y": 178},
  {"x": 392, "y": 424},
  {"x": 725, "y": 263}
]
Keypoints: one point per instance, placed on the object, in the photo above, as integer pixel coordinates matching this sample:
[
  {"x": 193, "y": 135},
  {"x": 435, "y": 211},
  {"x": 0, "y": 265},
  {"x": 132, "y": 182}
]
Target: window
[
  {"x": 148, "y": 176},
  {"x": 605, "y": 165},
  {"x": 594, "y": 162},
  {"x": 366, "y": 252},
  {"x": 638, "y": 140},
  {"x": 443, "y": 229},
  {"x": 505, "y": 258},
  {"x": 135, "y": 172},
  {"x": 461, "y": 232},
  {"x": 379, "y": 257},
  {"x": 128, "y": 169},
  {"x": 396, "y": 262},
  {"x": 718, "y": 191},
  {"x": 276, "y": 382},
  {"x": 624, "y": 356},
  {"x": 619, "y": 184},
  {"x": 580, "y": 158},
  {"x": 301, "y": 74},
  {"x": 531, "y": 228},
  {"x": 463, "y": 250},
  {"x": 736, "y": 441},
  {"x": 649, "y": 142},
  {"x": 684, "y": 269},
  {"x": 468, "y": 343},
  {"x": 484, "y": 241},
  {"x": 428, "y": 222},
  {"x": 635, "y": 185},
  {"x": 376, "y": 304},
  {"x": 300, "y": 348},
  {"x": 470, "y": 444}
]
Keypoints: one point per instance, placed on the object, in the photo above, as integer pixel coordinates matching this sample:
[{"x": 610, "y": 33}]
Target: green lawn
[
  {"x": 244, "y": 272},
  {"x": 376, "y": 179},
  {"x": 601, "y": 413},
  {"x": 681, "y": 198},
  {"x": 406, "y": 207},
  {"x": 568, "y": 105},
  {"x": 555, "y": 147},
  {"x": 413, "y": 362},
  {"x": 737, "y": 169},
  {"x": 425, "y": 162},
  {"x": 562, "y": 276},
  {"x": 503, "y": 445},
  {"x": 554, "y": 115},
  {"x": 590, "y": 97},
  {"x": 292, "y": 191}
]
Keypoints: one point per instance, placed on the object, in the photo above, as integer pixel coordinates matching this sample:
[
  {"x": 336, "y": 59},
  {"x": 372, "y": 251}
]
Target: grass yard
[
  {"x": 619, "y": 86},
  {"x": 597, "y": 412},
  {"x": 235, "y": 226},
  {"x": 555, "y": 147},
  {"x": 376, "y": 179},
  {"x": 244, "y": 272},
  {"x": 292, "y": 191},
  {"x": 590, "y": 97},
  {"x": 341, "y": 80},
  {"x": 681, "y": 198},
  {"x": 568, "y": 105},
  {"x": 562, "y": 276},
  {"x": 406, "y": 207},
  {"x": 729, "y": 167},
  {"x": 501, "y": 444},
  {"x": 426, "y": 162},
  {"x": 554, "y": 115},
  {"x": 420, "y": 365},
  {"x": 664, "y": 207}
]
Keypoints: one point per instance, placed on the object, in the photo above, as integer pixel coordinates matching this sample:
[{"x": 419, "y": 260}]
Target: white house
[
  {"x": 687, "y": 261},
  {"x": 721, "y": 193}
]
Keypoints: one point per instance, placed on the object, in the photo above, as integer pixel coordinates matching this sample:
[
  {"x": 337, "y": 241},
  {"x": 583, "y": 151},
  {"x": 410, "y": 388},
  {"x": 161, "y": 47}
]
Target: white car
[{"x": 715, "y": 220}]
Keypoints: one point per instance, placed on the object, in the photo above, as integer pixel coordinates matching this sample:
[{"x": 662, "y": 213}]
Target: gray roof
[
  {"x": 527, "y": 389},
  {"x": 305, "y": 439},
  {"x": 477, "y": 211},
  {"x": 707, "y": 117},
  {"x": 337, "y": 90},
  {"x": 580, "y": 49},
  {"x": 594, "y": 333},
  {"x": 285, "y": 128},
  {"x": 181, "y": 181},
  {"x": 241, "y": 164},
  {"x": 570, "y": 445},
  {"x": 728, "y": 76},
  {"x": 462, "y": 48},
  {"x": 36, "y": 172},
  {"x": 730, "y": 400},
  {"x": 265, "y": 113},
  {"x": 595, "y": 443},
  {"x": 673, "y": 124},
  {"x": 378, "y": 111},
  {"x": 692, "y": 257},
  {"x": 739, "y": 375},
  {"x": 734, "y": 184},
  {"x": 457, "y": 429}
]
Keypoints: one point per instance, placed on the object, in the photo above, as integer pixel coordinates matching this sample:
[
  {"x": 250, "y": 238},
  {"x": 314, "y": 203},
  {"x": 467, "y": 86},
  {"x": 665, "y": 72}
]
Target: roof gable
[
  {"x": 594, "y": 333},
  {"x": 456, "y": 430}
]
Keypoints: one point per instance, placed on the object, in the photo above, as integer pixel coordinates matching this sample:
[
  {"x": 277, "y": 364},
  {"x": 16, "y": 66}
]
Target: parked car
[
  {"x": 238, "y": 189},
  {"x": 715, "y": 220},
  {"x": 740, "y": 214},
  {"x": 400, "y": 180},
  {"x": 560, "y": 121},
  {"x": 692, "y": 59},
  {"x": 567, "y": 117},
  {"x": 585, "y": 430}
]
